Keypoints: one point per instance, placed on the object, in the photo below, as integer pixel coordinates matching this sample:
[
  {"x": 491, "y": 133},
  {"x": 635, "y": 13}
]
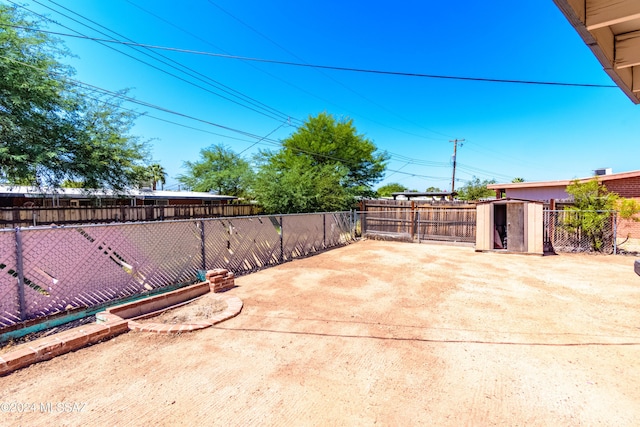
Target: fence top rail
[
  {"x": 422, "y": 206},
  {"x": 579, "y": 211},
  {"x": 171, "y": 221},
  {"x": 416, "y": 210},
  {"x": 30, "y": 208}
]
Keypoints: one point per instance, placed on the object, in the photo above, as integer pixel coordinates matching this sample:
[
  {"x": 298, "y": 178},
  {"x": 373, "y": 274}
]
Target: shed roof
[
  {"x": 409, "y": 194},
  {"x": 611, "y": 29},
  {"x": 508, "y": 200}
]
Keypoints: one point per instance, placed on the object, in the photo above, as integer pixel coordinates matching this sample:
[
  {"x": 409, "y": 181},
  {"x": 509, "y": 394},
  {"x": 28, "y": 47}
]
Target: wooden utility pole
[{"x": 455, "y": 150}]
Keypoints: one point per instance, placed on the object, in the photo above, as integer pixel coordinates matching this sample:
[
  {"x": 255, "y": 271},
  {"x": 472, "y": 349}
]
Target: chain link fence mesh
[
  {"x": 66, "y": 268},
  {"x": 303, "y": 235},
  {"x": 9, "y": 301},
  {"x": 579, "y": 231},
  {"x": 242, "y": 245}
]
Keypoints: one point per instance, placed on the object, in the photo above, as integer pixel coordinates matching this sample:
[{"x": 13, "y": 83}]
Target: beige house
[{"x": 625, "y": 184}]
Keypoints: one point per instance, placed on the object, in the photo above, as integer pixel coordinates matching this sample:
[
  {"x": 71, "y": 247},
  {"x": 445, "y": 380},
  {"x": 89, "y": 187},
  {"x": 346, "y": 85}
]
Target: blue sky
[{"x": 510, "y": 130}]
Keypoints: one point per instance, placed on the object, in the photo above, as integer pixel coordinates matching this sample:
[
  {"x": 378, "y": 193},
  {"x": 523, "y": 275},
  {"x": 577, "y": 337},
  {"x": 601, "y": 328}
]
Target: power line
[
  {"x": 327, "y": 67},
  {"x": 166, "y": 110},
  {"x": 145, "y": 115},
  {"x": 260, "y": 139},
  {"x": 267, "y": 110},
  {"x": 284, "y": 81},
  {"x": 472, "y": 169},
  {"x": 321, "y": 72}
]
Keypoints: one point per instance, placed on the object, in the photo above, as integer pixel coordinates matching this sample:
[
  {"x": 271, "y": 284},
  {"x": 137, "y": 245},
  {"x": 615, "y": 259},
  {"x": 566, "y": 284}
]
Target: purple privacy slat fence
[
  {"x": 9, "y": 300},
  {"x": 44, "y": 271}
]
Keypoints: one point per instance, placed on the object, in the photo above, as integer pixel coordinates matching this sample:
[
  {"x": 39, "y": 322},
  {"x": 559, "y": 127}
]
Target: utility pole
[{"x": 455, "y": 150}]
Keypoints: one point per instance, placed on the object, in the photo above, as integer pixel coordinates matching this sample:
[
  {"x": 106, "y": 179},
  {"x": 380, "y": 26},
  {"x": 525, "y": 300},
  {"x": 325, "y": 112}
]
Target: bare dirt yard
[{"x": 372, "y": 333}]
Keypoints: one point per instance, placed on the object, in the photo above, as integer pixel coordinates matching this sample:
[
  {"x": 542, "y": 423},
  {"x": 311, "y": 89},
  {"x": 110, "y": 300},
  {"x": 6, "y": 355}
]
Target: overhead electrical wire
[
  {"x": 210, "y": 80},
  {"x": 327, "y": 67},
  {"x": 284, "y": 81},
  {"x": 146, "y": 115},
  {"x": 270, "y": 40},
  {"x": 257, "y": 106},
  {"x": 260, "y": 138},
  {"x": 414, "y": 161},
  {"x": 499, "y": 155}
]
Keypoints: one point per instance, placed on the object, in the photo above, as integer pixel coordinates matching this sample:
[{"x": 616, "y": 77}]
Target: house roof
[
  {"x": 611, "y": 29},
  {"x": 563, "y": 183},
  {"x": 80, "y": 193},
  {"x": 506, "y": 200},
  {"x": 410, "y": 194}
]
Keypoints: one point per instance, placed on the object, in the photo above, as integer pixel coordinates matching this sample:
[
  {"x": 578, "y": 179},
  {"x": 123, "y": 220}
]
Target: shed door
[{"x": 515, "y": 227}]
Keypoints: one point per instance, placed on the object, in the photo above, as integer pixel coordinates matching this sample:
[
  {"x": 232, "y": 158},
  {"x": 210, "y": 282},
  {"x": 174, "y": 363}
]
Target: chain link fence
[
  {"x": 44, "y": 271},
  {"x": 579, "y": 231},
  {"x": 9, "y": 298}
]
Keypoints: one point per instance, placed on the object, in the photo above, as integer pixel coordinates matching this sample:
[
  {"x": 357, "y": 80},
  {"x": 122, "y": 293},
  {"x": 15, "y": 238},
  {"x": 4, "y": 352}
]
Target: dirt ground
[
  {"x": 203, "y": 308},
  {"x": 373, "y": 333}
]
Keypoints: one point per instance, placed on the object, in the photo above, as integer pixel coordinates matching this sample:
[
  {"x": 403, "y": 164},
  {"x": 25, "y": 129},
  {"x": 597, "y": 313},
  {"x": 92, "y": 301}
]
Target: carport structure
[{"x": 611, "y": 29}]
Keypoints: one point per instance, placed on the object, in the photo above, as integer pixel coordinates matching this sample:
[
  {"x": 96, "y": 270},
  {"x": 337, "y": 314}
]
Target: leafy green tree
[
  {"x": 220, "y": 170},
  {"x": 293, "y": 185},
  {"x": 591, "y": 195},
  {"x": 433, "y": 190},
  {"x": 388, "y": 189},
  {"x": 51, "y": 130},
  {"x": 67, "y": 183},
  {"x": 324, "y": 166},
  {"x": 592, "y": 206},
  {"x": 629, "y": 209},
  {"x": 517, "y": 179},
  {"x": 476, "y": 189}
]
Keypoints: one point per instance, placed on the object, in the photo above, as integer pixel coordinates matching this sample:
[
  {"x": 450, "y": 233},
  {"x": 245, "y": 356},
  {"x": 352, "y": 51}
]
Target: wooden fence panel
[
  {"x": 33, "y": 216},
  {"x": 424, "y": 220}
]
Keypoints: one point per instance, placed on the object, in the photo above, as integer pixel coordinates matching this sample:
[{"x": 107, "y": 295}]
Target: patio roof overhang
[{"x": 611, "y": 29}]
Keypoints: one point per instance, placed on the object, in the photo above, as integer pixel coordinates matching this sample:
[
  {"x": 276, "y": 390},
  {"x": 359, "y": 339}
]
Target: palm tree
[{"x": 157, "y": 174}]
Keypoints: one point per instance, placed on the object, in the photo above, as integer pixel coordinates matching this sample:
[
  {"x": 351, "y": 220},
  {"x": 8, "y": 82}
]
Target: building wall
[
  {"x": 539, "y": 193},
  {"x": 628, "y": 231},
  {"x": 628, "y": 187}
]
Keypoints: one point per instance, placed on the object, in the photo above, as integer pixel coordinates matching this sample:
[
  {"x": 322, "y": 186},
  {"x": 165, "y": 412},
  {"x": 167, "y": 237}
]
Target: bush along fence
[
  {"x": 45, "y": 271},
  {"x": 580, "y": 231}
]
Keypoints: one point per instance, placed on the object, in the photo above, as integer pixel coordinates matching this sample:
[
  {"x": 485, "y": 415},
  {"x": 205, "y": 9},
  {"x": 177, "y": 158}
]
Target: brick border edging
[
  {"x": 234, "y": 306},
  {"x": 110, "y": 324},
  {"x": 58, "y": 344}
]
